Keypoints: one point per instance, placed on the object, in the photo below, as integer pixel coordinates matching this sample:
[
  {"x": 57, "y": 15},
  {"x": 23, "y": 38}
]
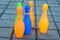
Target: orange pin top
[
  {"x": 45, "y": 8},
  {"x": 19, "y": 10},
  {"x": 31, "y": 3}
]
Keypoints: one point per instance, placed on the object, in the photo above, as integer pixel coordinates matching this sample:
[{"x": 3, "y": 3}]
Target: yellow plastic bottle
[
  {"x": 19, "y": 25},
  {"x": 43, "y": 22},
  {"x": 32, "y": 17}
]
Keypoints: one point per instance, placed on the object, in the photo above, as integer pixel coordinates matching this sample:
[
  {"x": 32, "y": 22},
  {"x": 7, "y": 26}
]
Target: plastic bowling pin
[
  {"x": 19, "y": 24},
  {"x": 19, "y": 4},
  {"x": 43, "y": 22},
  {"x": 32, "y": 17},
  {"x": 27, "y": 20}
]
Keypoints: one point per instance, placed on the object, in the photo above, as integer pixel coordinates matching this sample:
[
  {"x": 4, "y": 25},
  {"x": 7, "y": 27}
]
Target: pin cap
[
  {"x": 31, "y": 3},
  {"x": 45, "y": 7},
  {"x": 19, "y": 4},
  {"x": 27, "y": 8}
]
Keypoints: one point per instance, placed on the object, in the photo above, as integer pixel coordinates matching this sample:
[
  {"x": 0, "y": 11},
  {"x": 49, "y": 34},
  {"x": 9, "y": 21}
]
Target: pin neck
[
  {"x": 31, "y": 9},
  {"x": 31, "y": 6},
  {"x": 44, "y": 13},
  {"x": 19, "y": 16},
  {"x": 26, "y": 13}
]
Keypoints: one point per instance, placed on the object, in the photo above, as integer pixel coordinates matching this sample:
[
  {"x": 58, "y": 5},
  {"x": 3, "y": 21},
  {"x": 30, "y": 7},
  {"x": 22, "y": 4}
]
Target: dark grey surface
[{"x": 8, "y": 13}]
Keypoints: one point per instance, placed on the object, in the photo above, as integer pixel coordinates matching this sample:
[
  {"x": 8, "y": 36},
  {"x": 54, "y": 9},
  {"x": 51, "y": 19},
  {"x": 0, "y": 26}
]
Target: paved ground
[{"x": 8, "y": 13}]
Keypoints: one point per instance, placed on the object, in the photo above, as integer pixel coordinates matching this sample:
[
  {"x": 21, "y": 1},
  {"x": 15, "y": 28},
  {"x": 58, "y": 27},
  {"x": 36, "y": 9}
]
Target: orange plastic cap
[
  {"x": 19, "y": 10},
  {"x": 31, "y": 3}
]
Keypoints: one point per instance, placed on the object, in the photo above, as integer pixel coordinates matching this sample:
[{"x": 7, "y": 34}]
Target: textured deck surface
[{"x": 8, "y": 13}]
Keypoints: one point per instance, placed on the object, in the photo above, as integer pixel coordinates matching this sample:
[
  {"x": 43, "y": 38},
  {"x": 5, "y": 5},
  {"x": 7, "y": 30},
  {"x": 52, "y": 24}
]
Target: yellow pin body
[
  {"x": 32, "y": 17},
  {"x": 43, "y": 22},
  {"x": 19, "y": 24}
]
